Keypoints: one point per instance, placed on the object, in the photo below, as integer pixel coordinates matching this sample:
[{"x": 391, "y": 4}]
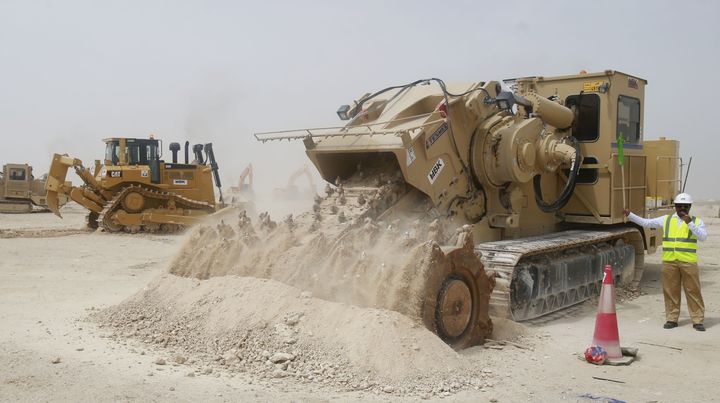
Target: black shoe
[
  {"x": 699, "y": 327},
  {"x": 670, "y": 325}
]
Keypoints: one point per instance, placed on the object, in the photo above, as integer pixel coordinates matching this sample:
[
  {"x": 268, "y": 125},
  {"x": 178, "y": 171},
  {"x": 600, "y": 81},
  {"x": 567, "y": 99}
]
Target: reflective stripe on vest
[{"x": 679, "y": 243}]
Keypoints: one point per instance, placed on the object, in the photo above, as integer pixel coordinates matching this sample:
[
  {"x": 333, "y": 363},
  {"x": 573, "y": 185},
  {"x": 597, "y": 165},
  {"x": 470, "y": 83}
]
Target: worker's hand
[
  {"x": 626, "y": 212},
  {"x": 684, "y": 216}
]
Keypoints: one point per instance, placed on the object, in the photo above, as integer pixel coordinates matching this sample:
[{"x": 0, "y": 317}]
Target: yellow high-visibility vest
[{"x": 679, "y": 243}]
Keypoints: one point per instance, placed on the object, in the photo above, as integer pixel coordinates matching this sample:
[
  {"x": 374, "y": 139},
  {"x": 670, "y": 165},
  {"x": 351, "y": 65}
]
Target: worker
[{"x": 681, "y": 233}]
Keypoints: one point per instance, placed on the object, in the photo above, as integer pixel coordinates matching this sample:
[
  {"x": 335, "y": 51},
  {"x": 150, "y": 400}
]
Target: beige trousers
[{"x": 675, "y": 274}]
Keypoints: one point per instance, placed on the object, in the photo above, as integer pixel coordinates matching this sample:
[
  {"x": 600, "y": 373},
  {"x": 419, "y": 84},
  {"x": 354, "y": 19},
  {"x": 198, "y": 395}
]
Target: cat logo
[
  {"x": 435, "y": 171},
  {"x": 114, "y": 174}
]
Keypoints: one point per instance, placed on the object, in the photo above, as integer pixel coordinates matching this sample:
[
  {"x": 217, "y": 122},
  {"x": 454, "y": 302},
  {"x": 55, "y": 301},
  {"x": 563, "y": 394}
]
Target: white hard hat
[{"x": 683, "y": 198}]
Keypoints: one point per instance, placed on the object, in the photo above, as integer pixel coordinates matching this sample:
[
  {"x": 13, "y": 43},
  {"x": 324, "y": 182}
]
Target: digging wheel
[
  {"x": 456, "y": 294},
  {"x": 133, "y": 202},
  {"x": 455, "y": 307}
]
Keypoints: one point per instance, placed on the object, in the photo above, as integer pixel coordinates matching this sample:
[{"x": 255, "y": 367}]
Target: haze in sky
[{"x": 75, "y": 72}]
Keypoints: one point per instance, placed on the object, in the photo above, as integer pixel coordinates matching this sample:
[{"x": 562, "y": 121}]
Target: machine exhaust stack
[
  {"x": 174, "y": 148},
  {"x": 197, "y": 150}
]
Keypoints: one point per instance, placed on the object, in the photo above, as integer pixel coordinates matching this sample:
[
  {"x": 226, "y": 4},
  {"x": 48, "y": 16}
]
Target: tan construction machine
[
  {"x": 20, "y": 192},
  {"x": 245, "y": 181},
  {"x": 531, "y": 168},
  {"x": 291, "y": 190},
  {"x": 135, "y": 190}
]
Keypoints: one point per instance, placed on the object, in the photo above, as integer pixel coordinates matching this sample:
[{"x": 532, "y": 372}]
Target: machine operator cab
[{"x": 122, "y": 151}]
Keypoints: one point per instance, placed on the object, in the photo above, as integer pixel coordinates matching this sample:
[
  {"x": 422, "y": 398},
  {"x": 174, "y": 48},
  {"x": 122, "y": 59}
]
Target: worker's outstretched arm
[{"x": 645, "y": 222}]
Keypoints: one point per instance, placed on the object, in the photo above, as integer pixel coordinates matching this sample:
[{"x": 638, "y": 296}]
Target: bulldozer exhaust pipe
[
  {"x": 174, "y": 148},
  {"x": 187, "y": 150}
]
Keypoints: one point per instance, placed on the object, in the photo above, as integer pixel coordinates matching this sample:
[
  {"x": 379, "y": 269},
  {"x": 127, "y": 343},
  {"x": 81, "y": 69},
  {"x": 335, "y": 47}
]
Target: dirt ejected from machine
[
  {"x": 134, "y": 190},
  {"x": 426, "y": 209}
]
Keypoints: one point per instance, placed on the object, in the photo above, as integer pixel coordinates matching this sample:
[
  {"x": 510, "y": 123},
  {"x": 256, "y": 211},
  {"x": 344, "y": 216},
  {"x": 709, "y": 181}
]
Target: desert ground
[{"x": 57, "y": 279}]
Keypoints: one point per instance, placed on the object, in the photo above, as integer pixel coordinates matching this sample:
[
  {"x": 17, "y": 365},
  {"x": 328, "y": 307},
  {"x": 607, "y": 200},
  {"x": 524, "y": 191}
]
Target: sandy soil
[{"x": 54, "y": 276}]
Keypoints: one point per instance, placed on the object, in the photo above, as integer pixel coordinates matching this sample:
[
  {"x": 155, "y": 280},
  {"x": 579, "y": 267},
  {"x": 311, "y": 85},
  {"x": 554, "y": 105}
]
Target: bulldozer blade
[
  {"x": 53, "y": 202},
  {"x": 55, "y": 182}
]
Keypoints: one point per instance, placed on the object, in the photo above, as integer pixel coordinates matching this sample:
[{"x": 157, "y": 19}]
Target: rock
[
  {"x": 493, "y": 400},
  {"x": 388, "y": 389},
  {"x": 279, "y": 373},
  {"x": 290, "y": 340},
  {"x": 190, "y": 374},
  {"x": 179, "y": 359},
  {"x": 160, "y": 361},
  {"x": 56, "y": 360},
  {"x": 293, "y": 319},
  {"x": 79, "y": 349},
  {"x": 281, "y": 357},
  {"x": 172, "y": 389},
  {"x": 207, "y": 370}
]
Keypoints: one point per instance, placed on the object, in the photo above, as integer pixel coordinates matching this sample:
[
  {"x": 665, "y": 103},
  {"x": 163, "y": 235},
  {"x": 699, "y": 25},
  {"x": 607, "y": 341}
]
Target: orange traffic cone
[{"x": 606, "y": 327}]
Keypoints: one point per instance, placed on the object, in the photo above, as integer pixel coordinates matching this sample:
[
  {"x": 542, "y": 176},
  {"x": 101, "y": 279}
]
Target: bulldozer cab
[
  {"x": 129, "y": 151},
  {"x": 16, "y": 180}
]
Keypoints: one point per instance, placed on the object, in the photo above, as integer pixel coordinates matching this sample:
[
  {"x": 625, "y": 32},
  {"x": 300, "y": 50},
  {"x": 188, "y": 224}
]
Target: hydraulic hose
[{"x": 567, "y": 191}]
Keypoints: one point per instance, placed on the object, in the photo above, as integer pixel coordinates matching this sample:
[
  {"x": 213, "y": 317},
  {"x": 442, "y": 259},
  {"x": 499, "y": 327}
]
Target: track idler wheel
[
  {"x": 133, "y": 202},
  {"x": 457, "y": 295}
]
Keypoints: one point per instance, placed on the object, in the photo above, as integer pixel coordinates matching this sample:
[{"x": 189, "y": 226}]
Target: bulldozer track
[
  {"x": 507, "y": 258},
  {"x": 114, "y": 204}
]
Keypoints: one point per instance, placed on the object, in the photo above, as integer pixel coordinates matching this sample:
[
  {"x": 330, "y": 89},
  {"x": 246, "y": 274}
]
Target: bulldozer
[
  {"x": 20, "y": 192},
  {"x": 536, "y": 172},
  {"x": 134, "y": 190}
]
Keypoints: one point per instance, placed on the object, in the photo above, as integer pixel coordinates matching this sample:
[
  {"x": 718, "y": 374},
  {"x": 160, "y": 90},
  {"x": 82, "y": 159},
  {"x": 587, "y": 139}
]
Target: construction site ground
[{"x": 55, "y": 277}]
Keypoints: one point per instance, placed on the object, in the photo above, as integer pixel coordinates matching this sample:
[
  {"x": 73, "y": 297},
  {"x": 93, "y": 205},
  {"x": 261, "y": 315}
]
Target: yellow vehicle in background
[
  {"x": 135, "y": 190},
  {"x": 20, "y": 192}
]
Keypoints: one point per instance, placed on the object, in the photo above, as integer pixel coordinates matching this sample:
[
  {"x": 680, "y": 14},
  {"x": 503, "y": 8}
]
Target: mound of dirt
[
  {"x": 244, "y": 324},
  {"x": 338, "y": 295}
]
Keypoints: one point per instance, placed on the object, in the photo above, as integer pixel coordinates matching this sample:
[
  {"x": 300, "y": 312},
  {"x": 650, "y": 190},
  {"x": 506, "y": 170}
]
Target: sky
[{"x": 75, "y": 72}]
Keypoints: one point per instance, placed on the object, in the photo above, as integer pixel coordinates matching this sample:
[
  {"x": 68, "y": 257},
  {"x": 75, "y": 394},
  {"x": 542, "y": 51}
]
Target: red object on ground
[
  {"x": 595, "y": 355},
  {"x": 606, "y": 326}
]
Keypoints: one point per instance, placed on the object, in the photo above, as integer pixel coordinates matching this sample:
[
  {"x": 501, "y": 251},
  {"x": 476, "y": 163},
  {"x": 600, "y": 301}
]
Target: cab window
[
  {"x": 17, "y": 174},
  {"x": 586, "y": 126},
  {"x": 628, "y": 119},
  {"x": 111, "y": 152}
]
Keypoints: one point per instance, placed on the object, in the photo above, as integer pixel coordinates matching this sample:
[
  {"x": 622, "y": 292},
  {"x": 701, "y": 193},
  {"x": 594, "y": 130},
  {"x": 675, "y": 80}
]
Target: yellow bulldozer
[
  {"x": 535, "y": 170},
  {"x": 135, "y": 190},
  {"x": 21, "y": 192}
]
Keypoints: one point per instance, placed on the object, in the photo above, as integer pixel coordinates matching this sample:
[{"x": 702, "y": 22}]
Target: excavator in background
[
  {"x": 291, "y": 190},
  {"x": 20, "y": 192},
  {"x": 245, "y": 176},
  {"x": 536, "y": 171},
  {"x": 135, "y": 190},
  {"x": 243, "y": 194}
]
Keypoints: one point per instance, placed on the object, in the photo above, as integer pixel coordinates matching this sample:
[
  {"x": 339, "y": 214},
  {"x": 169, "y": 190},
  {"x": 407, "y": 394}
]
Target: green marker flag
[{"x": 621, "y": 153}]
